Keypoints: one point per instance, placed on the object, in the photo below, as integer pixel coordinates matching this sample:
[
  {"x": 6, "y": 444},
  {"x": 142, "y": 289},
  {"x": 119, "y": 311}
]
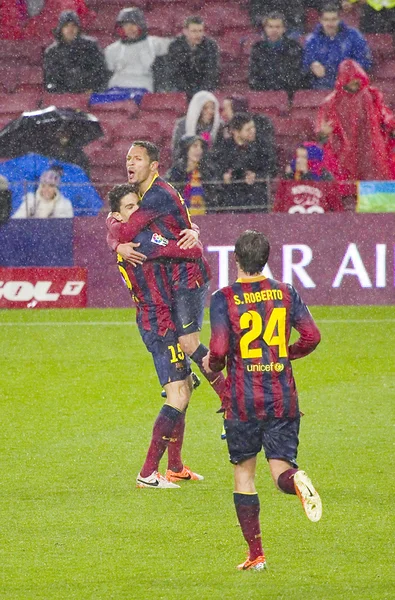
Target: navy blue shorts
[
  {"x": 279, "y": 439},
  {"x": 171, "y": 363},
  {"x": 188, "y": 309}
]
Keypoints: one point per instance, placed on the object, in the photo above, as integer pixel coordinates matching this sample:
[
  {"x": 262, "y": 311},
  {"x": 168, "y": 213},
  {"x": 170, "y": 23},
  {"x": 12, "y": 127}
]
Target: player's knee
[{"x": 189, "y": 343}]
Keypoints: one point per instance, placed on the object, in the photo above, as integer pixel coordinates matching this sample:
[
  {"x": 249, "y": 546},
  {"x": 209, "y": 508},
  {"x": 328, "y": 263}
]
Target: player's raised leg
[{"x": 294, "y": 481}]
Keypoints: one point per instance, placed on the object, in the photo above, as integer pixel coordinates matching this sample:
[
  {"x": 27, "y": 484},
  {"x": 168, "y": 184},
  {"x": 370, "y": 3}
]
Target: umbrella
[
  {"x": 39, "y": 131},
  {"x": 24, "y": 172}
]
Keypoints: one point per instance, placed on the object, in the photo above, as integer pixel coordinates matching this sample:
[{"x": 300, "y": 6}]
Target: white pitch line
[{"x": 133, "y": 323}]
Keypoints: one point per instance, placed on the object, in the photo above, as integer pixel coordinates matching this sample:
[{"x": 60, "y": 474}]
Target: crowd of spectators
[{"x": 223, "y": 142}]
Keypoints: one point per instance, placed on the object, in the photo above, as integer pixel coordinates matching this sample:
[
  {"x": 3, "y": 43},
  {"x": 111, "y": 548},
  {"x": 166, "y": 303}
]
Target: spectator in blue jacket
[{"x": 332, "y": 42}]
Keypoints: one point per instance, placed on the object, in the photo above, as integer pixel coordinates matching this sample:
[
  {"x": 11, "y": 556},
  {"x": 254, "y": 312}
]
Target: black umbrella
[{"x": 42, "y": 131}]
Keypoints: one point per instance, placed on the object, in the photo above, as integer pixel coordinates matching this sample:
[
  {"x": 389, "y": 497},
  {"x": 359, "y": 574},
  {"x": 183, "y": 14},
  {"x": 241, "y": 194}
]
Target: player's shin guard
[
  {"x": 161, "y": 435},
  {"x": 174, "y": 460},
  {"x": 216, "y": 380},
  {"x": 247, "y": 510},
  {"x": 285, "y": 481}
]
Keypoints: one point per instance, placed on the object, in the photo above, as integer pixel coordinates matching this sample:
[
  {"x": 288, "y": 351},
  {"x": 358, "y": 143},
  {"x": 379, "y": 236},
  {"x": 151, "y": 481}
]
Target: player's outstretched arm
[{"x": 220, "y": 332}]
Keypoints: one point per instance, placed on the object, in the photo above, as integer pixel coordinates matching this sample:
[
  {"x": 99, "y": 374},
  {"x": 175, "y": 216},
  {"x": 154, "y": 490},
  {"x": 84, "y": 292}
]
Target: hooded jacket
[
  {"x": 131, "y": 60},
  {"x": 76, "y": 66},
  {"x": 359, "y": 145},
  {"x": 330, "y": 52},
  {"x": 189, "y": 125}
]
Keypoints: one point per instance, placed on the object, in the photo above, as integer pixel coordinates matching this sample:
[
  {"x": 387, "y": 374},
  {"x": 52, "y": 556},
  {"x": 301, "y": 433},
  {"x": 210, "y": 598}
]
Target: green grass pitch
[{"x": 78, "y": 399}]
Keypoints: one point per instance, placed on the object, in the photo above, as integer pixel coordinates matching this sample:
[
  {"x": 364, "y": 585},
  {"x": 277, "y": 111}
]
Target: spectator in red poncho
[{"x": 356, "y": 128}]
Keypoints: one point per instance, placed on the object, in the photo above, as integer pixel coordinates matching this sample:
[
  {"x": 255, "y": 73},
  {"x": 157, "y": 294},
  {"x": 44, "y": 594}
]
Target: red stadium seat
[
  {"x": 175, "y": 102},
  {"x": 306, "y": 103},
  {"x": 77, "y": 101},
  {"x": 271, "y": 102},
  {"x": 21, "y": 78},
  {"x": 15, "y": 104},
  {"x": 386, "y": 70},
  {"x": 126, "y": 107},
  {"x": 22, "y": 52},
  {"x": 381, "y": 45}
]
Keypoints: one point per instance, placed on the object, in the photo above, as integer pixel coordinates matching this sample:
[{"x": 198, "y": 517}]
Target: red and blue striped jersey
[
  {"x": 149, "y": 283},
  {"x": 163, "y": 211},
  {"x": 251, "y": 324}
]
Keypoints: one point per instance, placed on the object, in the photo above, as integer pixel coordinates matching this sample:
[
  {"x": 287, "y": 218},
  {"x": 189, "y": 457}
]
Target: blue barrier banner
[{"x": 36, "y": 243}]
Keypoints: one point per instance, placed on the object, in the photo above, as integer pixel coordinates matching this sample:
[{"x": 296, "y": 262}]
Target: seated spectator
[
  {"x": 193, "y": 60},
  {"x": 356, "y": 128},
  {"x": 276, "y": 61},
  {"x": 5, "y": 200},
  {"x": 293, "y": 13},
  {"x": 192, "y": 170},
  {"x": 240, "y": 161},
  {"x": 131, "y": 58},
  {"x": 47, "y": 202},
  {"x": 74, "y": 63},
  {"x": 308, "y": 164},
  {"x": 202, "y": 119},
  {"x": 378, "y": 16},
  {"x": 332, "y": 42},
  {"x": 263, "y": 126}
]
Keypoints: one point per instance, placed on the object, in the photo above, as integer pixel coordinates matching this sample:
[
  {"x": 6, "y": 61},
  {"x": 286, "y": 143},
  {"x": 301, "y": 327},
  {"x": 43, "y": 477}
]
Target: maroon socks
[
  {"x": 174, "y": 460},
  {"x": 161, "y": 435},
  {"x": 247, "y": 510}
]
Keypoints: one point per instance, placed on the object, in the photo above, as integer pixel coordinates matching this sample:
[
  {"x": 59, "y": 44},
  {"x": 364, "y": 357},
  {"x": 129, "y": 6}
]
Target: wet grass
[{"x": 78, "y": 396}]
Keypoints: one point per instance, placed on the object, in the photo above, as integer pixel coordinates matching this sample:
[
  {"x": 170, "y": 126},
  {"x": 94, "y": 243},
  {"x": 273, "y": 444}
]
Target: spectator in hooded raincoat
[
  {"x": 74, "y": 63},
  {"x": 131, "y": 58},
  {"x": 356, "y": 128},
  {"x": 202, "y": 119},
  {"x": 331, "y": 42}
]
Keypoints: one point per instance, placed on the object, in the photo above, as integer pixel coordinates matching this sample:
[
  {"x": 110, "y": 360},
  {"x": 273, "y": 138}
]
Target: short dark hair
[
  {"x": 151, "y": 148},
  {"x": 329, "y": 8},
  {"x": 239, "y": 120},
  {"x": 118, "y": 192},
  {"x": 193, "y": 20},
  {"x": 252, "y": 251},
  {"x": 274, "y": 15}
]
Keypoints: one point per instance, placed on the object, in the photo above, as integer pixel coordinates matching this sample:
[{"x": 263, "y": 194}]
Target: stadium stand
[{"x": 228, "y": 22}]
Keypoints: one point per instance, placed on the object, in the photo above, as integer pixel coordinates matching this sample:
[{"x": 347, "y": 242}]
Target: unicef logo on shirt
[{"x": 260, "y": 368}]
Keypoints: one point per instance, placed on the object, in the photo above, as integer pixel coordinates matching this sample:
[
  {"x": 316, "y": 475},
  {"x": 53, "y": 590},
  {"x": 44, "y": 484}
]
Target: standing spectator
[
  {"x": 74, "y": 62},
  {"x": 293, "y": 13},
  {"x": 356, "y": 128},
  {"x": 191, "y": 171},
  {"x": 131, "y": 58},
  {"x": 332, "y": 42},
  {"x": 265, "y": 137},
  {"x": 276, "y": 61},
  {"x": 47, "y": 202},
  {"x": 202, "y": 119},
  {"x": 240, "y": 161},
  {"x": 193, "y": 59},
  {"x": 378, "y": 16}
]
